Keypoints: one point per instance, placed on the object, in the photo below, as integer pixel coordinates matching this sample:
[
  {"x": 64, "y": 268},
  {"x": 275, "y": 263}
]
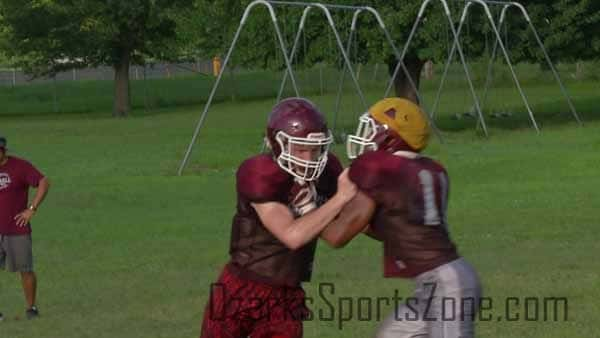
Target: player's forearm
[
  {"x": 307, "y": 227},
  {"x": 341, "y": 230},
  {"x": 41, "y": 192},
  {"x": 352, "y": 220}
]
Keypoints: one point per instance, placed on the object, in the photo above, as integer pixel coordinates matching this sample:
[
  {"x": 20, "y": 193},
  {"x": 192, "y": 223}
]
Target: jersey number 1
[{"x": 432, "y": 214}]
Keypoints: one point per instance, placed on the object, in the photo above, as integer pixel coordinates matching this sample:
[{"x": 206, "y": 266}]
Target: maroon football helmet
[{"x": 296, "y": 122}]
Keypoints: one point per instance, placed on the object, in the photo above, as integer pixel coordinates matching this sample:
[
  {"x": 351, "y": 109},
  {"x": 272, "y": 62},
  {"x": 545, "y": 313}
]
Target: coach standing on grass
[{"x": 16, "y": 177}]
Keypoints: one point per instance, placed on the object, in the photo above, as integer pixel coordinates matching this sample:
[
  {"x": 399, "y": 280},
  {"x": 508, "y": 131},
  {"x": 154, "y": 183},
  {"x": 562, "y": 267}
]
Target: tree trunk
[
  {"x": 121, "y": 104},
  {"x": 402, "y": 86}
]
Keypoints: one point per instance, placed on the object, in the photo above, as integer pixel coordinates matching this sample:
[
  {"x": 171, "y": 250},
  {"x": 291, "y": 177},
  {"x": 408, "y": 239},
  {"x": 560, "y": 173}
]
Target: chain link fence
[
  {"x": 16, "y": 77},
  {"x": 168, "y": 85},
  {"x": 164, "y": 85}
]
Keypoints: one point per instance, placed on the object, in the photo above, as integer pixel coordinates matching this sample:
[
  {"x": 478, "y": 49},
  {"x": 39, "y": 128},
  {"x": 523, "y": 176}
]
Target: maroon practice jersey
[
  {"x": 411, "y": 194},
  {"x": 16, "y": 177},
  {"x": 255, "y": 252}
]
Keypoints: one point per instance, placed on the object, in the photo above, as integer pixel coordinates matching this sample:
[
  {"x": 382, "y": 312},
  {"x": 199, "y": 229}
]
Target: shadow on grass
[
  {"x": 549, "y": 114},
  {"x": 546, "y": 115}
]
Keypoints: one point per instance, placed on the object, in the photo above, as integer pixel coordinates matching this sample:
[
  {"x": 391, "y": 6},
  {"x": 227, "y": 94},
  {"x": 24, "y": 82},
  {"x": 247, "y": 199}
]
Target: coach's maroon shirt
[
  {"x": 411, "y": 193},
  {"x": 256, "y": 253},
  {"x": 16, "y": 177}
]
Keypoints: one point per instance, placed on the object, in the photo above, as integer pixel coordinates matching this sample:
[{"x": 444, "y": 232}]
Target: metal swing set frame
[
  {"x": 496, "y": 28},
  {"x": 400, "y": 55},
  {"x": 288, "y": 57}
]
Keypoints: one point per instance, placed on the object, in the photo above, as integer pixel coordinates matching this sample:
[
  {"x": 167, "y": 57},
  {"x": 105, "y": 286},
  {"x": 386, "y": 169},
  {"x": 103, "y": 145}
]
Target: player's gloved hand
[{"x": 346, "y": 189}]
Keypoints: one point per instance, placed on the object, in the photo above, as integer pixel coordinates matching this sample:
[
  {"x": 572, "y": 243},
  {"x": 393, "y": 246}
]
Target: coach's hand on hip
[{"x": 24, "y": 216}]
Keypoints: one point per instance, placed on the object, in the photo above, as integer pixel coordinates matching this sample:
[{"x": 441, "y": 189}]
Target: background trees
[
  {"x": 569, "y": 27},
  {"x": 47, "y": 36}
]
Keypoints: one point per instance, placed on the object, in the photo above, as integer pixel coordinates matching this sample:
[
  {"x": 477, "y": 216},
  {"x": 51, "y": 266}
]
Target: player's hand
[
  {"x": 24, "y": 217},
  {"x": 346, "y": 189}
]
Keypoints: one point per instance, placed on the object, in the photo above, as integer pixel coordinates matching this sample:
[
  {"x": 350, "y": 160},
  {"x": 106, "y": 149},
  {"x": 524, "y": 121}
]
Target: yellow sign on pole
[{"x": 216, "y": 65}]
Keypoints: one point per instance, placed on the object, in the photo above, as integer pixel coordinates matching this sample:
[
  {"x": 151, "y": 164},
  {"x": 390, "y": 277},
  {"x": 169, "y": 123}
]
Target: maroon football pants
[{"x": 240, "y": 308}]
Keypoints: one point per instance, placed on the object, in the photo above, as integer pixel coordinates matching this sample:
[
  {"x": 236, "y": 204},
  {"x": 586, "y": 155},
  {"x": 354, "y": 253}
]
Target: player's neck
[{"x": 3, "y": 160}]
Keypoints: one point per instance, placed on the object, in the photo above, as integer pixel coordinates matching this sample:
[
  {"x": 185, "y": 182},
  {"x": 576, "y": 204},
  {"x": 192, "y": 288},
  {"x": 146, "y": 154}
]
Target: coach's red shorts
[{"x": 239, "y": 307}]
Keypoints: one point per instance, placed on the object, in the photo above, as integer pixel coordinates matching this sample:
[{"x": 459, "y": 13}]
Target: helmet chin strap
[
  {"x": 299, "y": 180},
  {"x": 392, "y": 142},
  {"x": 266, "y": 146}
]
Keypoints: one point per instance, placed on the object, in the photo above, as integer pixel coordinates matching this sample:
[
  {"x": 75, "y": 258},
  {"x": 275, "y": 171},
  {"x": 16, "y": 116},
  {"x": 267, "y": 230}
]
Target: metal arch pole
[
  {"x": 338, "y": 99},
  {"x": 467, "y": 73},
  {"x": 405, "y": 49},
  {"x": 488, "y": 78},
  {"x": 450, "y": 57},
  {"x": 397, "y": 53},
  {"x": 345, "y": 56},
  {"x": 294, "y": 49},
  {"x": 512, "y": 71},
  {"x": 549, "y": 61},
  {"x": 305, "y": 13},
  {"x": 507, "y": 5},
  {"x": 300, "y": 3},
  {"x": 284, "y": 52},
  {"x": 456, "y": 46},
  {"x": 400, "y": 59},
  {"x": 493, "y": 2},
  {"x": 408, "y": 42},
  {"x": 210, "y": 98},
  {"x": 217, "y": 82}
]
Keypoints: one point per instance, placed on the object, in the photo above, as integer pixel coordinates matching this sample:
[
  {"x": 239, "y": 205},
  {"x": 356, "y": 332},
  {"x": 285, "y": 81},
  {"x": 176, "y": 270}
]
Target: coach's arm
[
  {"x": 354, "y": 218},
  {"x": 42, "y": 189}
]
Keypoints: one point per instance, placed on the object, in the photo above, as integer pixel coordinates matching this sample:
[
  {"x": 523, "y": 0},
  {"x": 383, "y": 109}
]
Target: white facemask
[
  {"x": 362, "y": 140},
  {"x": 307, "y": 170}
]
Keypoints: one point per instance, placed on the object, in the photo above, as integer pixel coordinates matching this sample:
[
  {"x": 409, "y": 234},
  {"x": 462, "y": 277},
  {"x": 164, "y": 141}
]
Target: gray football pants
[{"x": 444, "y": 304}]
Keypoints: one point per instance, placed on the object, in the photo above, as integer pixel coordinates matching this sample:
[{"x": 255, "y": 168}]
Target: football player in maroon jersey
[
  {"x": 285, "y": 199},
  {"x": 403, "y": 196}
]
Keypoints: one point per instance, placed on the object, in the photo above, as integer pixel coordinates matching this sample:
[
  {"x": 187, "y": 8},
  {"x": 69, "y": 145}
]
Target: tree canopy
[
  {"x": 569, "y": 29},
  {"x": 47, "y": 36}
]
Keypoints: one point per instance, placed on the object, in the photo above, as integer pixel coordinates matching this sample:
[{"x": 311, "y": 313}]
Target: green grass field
[{"x": 124, "y": 248}]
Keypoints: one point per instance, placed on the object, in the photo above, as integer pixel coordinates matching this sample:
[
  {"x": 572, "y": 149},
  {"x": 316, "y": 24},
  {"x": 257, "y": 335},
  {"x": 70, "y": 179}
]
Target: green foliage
[
  {"x": 53, "y": 35},
  {"x": 572, "y": 34},
  {"x": 4, "y": 59},
  {"x": 48, "y": 36}
]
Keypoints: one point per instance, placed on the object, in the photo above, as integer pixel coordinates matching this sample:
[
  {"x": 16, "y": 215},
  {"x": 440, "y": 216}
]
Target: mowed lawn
[{"x": 125, "y": 248}]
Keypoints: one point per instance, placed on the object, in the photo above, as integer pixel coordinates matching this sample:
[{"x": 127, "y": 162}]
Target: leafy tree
[
  {"x": 49, "y": 36},
  {"x": 570, "y": 29}
]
